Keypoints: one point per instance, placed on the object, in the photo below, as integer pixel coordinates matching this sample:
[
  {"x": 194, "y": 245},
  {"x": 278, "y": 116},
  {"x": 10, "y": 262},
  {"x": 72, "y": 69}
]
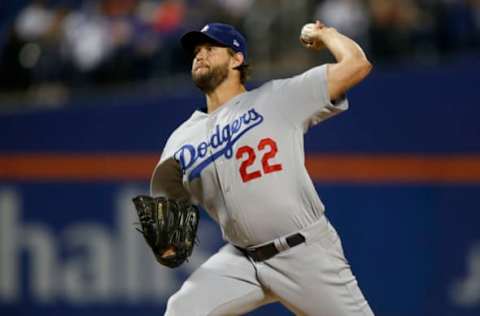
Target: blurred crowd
[{"x": 106, "y": 42}]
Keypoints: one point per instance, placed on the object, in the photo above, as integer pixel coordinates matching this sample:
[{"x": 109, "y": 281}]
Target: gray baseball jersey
[{"x": 244, "y": 163}]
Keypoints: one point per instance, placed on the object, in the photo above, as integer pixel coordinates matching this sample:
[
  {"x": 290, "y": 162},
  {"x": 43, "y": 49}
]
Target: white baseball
[{"x": 307, "y": 32}]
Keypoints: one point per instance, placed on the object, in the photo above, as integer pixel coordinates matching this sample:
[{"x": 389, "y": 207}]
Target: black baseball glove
[
  {"x": 168, "y": 226},
  {"x": 168, "y": 221}
]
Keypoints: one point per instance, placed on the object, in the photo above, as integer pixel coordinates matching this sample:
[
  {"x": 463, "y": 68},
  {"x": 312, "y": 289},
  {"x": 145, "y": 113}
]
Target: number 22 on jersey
[{"x": 268, "y": 148}]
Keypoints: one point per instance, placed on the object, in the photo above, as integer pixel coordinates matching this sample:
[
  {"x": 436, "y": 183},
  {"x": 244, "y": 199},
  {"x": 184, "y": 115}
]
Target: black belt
[{"x": 267, "y": 251}]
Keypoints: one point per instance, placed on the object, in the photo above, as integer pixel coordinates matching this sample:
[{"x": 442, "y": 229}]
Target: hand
[
  {"x": 310, "y": 35},
  {"x": 169, "y": 252}
]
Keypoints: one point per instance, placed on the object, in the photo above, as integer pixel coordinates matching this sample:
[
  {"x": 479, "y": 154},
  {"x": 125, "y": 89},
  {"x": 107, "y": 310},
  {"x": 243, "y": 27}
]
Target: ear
[{"x": 237, "y": 60}]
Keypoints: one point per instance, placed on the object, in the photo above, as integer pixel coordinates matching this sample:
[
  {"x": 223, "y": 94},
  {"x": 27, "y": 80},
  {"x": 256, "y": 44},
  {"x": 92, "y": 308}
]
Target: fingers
[
  {"x": 319, "y": 24},
  {"x": 305, "y": 43},
  {"x": 310, "y": 35},
  {"x": 169, "y": 252}
]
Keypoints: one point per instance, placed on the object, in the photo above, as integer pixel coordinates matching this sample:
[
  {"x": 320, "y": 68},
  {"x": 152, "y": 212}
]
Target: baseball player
[{"x": 242, "y": 159}]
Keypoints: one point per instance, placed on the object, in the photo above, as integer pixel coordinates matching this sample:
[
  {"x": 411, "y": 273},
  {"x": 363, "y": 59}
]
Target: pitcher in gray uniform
[{"x": 243, "y": 162}]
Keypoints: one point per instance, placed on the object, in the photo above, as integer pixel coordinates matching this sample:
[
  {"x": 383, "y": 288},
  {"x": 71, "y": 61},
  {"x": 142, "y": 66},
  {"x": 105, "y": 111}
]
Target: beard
[{"x": 210, "y": 80}]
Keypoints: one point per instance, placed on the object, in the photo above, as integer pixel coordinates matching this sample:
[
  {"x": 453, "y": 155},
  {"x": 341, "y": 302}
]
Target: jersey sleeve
[{"x": 304, "y": 99}]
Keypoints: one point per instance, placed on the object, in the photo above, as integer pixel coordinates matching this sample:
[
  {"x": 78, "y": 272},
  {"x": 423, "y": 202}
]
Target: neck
[{"x": 223, "y": 93}]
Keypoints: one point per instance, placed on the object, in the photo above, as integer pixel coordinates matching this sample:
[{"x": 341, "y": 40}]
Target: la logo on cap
[
  {"x": 205, "y": 28},
  {"x": 236, "y": 43}
]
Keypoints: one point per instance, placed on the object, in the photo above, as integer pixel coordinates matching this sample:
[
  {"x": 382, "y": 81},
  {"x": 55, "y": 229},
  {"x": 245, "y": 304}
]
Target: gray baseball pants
[{"x": 312, "y": 278}]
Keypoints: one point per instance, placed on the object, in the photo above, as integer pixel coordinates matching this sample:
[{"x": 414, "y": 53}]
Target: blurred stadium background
[{"x": 90, "y": 91}]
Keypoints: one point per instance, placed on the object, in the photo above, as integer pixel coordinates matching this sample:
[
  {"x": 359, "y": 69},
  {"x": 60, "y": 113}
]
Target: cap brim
[{"x": 191, "y": 39}]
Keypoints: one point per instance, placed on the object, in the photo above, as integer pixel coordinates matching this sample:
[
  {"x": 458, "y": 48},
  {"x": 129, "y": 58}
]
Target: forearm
[
  {"x": 342, "y": 47},
  {"x": 352, "y": 65}
]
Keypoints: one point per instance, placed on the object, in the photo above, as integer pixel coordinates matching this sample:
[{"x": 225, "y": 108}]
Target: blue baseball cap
[{"x": 219, "y": 33}]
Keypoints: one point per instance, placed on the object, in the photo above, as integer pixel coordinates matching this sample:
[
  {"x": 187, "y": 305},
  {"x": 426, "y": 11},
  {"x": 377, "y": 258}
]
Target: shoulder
[
  {"x": 183, "y": 132},
  {"x": 318, "y": 72},
  {"x": 193, "y": 120},
  {"x": 264, "y": 89},
  {"x": 278, "y": 83}
]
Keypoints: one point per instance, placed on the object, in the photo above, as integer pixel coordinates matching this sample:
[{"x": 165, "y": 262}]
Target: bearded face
[{"x": 208, "y": 77}]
